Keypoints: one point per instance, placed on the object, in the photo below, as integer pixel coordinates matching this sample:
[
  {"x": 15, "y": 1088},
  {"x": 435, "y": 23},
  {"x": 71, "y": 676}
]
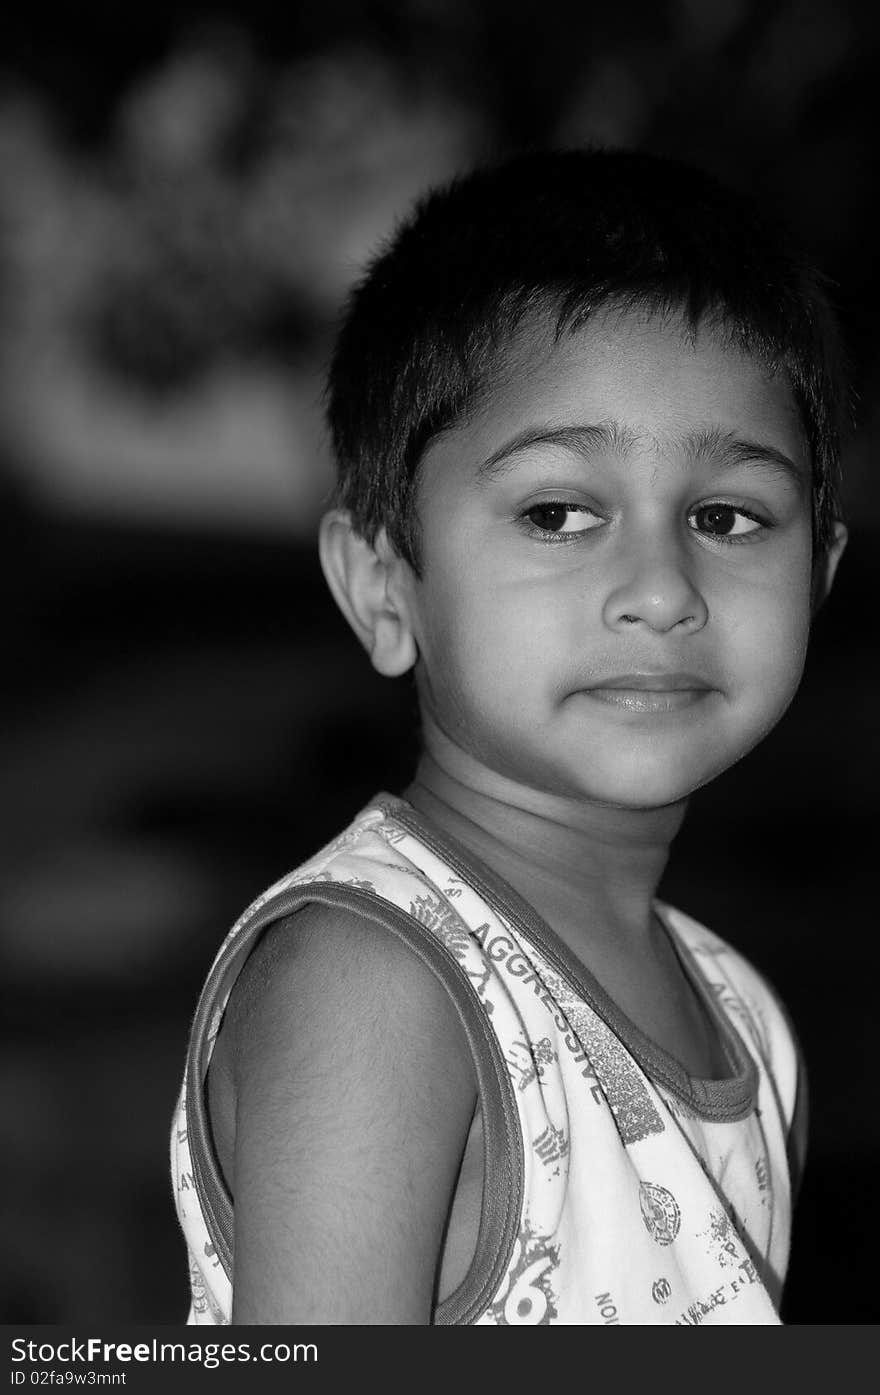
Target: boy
[{"x": 462, "y": 1066}]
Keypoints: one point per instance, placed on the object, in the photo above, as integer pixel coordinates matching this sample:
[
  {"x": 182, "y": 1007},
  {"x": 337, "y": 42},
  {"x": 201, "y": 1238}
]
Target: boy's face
[{"x": 615, "y": 594}]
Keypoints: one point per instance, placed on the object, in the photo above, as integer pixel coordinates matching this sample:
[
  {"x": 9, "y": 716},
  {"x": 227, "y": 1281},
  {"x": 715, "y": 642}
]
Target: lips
[{"x": 651, "y": 693}]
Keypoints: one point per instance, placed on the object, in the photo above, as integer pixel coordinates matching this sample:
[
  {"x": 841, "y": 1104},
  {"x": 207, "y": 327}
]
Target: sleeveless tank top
[{"x": 617, "y": 1188}]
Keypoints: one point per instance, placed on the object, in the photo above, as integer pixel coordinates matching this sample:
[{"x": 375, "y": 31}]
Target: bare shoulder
[
  {"x": 354, "y": 1091},
  {"x": 340, "y": 988}
]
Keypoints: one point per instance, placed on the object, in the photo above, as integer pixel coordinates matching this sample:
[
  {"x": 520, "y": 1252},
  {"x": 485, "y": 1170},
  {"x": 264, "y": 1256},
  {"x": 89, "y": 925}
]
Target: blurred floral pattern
[{"x": 171, "y": 293}]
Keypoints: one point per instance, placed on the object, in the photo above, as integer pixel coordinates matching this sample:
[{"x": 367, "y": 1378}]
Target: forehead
[{"x": 648, "y": 379}]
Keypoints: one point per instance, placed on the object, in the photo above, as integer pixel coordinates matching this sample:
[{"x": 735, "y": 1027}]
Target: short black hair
[{"x": 564, "y": 232}]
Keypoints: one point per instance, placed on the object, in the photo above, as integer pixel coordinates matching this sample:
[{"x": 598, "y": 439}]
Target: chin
[{"x": 636, "y": 788}]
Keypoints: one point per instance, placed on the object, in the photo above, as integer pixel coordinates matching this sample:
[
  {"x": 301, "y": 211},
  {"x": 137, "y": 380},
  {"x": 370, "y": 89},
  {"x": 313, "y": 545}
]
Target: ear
[
  {"x": 369, "y": 584},
  {"x": 824, "y": 577}
]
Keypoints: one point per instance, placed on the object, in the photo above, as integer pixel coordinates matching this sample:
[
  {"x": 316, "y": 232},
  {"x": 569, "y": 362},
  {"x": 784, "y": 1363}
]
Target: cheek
[
  {"x": 482, "y": 661},
  {"x": 772, "y": 641}
]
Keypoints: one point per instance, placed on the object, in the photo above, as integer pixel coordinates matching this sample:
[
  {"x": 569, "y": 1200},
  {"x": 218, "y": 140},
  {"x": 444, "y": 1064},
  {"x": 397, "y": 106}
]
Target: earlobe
[
  {"x": 364, "y": 580},
  {"x": 824, "y": 578}
]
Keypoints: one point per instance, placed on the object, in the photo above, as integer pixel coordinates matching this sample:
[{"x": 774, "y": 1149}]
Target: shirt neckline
[{"x": 724, "y": 1099}]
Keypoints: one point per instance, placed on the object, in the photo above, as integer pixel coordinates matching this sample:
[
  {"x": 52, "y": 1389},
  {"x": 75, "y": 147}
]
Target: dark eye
[
  {"x": 555, "y": 517},
  {"x": 722, "y": 521},
  {"x": 552, "y": 517}
]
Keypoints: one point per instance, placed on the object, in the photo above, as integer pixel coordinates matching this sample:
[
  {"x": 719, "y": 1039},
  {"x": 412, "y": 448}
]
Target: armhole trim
[{"x": 503, "y": 1172}]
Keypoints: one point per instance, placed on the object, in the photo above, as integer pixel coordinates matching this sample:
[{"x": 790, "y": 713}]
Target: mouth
[{"x": 651, "y": 692}]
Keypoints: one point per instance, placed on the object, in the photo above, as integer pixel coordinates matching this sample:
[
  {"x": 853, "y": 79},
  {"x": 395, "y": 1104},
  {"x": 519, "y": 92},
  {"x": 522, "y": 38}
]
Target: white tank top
[{"x": 617, "y": 1188}]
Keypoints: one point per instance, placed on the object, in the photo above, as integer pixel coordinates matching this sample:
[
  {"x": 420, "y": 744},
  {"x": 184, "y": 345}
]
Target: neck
[{"x": 577, "y": 863}]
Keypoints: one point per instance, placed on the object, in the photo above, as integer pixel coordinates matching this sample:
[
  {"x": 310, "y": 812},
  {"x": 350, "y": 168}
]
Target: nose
[{"x": 655, "y": 590}]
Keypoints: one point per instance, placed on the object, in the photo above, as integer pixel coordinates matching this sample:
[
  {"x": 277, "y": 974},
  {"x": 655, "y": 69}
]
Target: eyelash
[{"x": 549, "y": 536}]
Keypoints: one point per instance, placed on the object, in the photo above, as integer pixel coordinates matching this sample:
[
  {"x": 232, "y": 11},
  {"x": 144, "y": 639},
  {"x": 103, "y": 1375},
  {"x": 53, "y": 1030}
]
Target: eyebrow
[
  {"x": 713, "y": 446},
  {"x": 583, "y": 440},
  {"x": 702, "y": 445}
]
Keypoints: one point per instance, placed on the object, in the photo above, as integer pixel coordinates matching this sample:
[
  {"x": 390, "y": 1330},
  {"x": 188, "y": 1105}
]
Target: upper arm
[
  {"x": 355, "y": 1090},
  {"x": 799, "y": 1127}
]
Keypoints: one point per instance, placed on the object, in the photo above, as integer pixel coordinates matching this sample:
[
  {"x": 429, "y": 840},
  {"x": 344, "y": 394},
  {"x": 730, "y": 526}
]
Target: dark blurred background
[{"x": 186, "y": 192}]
